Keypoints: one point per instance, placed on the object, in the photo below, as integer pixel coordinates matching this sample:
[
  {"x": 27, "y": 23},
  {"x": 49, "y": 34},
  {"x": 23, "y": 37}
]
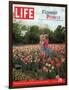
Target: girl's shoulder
[{"x": 41, "y": 36}]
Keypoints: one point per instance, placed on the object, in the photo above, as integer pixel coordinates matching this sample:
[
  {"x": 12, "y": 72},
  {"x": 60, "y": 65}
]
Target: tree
[
  {"x": 24, "y": 27},
  {"x": 32, "y": 36},
  {"x": 59, "y": 34},
  {"x": 34, "y": 28},
  {"x": 16, "y": 32}
]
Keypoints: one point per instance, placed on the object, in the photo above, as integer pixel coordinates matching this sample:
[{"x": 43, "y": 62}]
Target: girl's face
[{"x": 44, "y": 38}]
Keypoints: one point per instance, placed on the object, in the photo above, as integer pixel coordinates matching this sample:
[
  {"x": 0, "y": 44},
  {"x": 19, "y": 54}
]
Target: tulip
[
  {"x": 45, "y": 69},
  {"x": 52, "y": 67},
  {"x": 58, "y": 64},
  {"x": 57, "y": 76},
  {"x": 52, "y": 62},
  {"x": 62, "y": 59},
  {"x": 56, "y": 59}
]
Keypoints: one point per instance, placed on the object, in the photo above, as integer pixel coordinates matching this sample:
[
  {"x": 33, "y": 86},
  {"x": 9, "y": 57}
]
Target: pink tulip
[
  {"x": 52, "y": 62},
  {"x": 58, "y": 64},
  {"x": 56, "y": 59}
]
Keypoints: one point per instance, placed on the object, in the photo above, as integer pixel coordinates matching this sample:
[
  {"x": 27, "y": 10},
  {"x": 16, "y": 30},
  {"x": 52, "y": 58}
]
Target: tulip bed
[{"x": 30, "y": 64}]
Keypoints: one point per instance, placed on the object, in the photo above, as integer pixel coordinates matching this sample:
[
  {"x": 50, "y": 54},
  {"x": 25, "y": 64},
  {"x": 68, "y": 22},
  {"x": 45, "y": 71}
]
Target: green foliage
[
  {"x": 33, "y": 33},
  {"x": 63, "y": 70},
  {"x": 34, "y": 28},
  {"x": 24, "y": 27},
  {"x": 16, "y": 33},
  {"x": 52, "y": 74},
  {"x": 59, "y": 34},
  {"x": 31, "y": 38},
  {"x": 19, "y": 75},
  {"x": 17, "y": 63}
]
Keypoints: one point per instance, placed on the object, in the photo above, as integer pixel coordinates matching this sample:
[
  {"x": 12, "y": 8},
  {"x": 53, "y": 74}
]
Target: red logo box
[{"x": 23, "y": 13}]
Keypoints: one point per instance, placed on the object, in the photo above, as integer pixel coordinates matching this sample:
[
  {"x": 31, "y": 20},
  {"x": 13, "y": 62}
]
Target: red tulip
[
  {"x": 48, "y": 59},
  {"x": 52, "y": 62},
  {"x": 56, "y": 59},
  {"x": 58, "y": 64}
]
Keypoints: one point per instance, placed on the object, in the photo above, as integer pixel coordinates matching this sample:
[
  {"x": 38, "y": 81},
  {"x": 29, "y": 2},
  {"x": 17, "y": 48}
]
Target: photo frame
[{"x": 30, "y": 64}]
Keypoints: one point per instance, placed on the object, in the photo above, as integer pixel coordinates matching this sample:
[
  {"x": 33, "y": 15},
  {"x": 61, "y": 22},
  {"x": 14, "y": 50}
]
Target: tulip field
[{"x": 29, "y": 63}]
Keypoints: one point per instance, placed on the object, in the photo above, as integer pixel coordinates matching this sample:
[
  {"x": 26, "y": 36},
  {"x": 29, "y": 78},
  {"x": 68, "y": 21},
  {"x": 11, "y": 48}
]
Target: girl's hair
[{"x": 46, "y": 36}]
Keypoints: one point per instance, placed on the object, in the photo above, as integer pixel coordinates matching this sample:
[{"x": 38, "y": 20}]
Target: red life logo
[{"x": 23, "y": 13}]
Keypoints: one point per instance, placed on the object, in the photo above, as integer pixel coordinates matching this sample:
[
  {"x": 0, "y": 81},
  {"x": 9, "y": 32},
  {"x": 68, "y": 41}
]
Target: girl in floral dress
[{"x": 46, "y": 49}]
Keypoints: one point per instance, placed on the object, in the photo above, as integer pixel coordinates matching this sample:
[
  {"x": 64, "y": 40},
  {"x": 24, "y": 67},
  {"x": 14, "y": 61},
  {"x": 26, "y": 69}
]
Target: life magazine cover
[{"x": 38, "y": 44}]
